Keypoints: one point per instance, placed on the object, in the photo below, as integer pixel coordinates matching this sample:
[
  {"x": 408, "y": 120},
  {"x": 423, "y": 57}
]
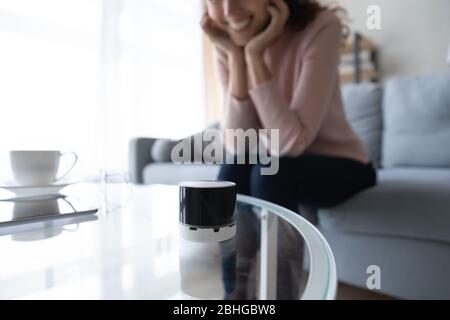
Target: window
[{"x": 88, "y": 75}]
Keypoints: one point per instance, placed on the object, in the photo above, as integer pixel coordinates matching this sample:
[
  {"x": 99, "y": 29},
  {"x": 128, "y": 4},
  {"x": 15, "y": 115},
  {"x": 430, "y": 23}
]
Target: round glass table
[{"x": 131, "y": 249}]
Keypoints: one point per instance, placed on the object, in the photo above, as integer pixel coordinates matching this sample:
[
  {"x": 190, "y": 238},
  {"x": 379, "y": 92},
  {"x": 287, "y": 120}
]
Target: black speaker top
[{"x": 207, "y": 204}]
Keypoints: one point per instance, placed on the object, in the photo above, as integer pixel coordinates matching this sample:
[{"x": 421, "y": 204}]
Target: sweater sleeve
[
  {"x": 300, "y": 121},
  {"x": 237, "y": 114}
]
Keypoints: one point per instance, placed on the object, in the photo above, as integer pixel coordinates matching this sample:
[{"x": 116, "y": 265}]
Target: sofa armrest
[{"x": 139, "y": 156}]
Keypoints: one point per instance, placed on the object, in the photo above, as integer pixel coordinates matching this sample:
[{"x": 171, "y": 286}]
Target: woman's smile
[
  {"x": 241, "y": 26},
  {"x": 240, "y": 19}
]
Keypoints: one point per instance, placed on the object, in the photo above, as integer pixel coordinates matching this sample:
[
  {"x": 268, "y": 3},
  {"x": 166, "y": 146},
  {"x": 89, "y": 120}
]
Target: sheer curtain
[{"x": 88, "y": 75}]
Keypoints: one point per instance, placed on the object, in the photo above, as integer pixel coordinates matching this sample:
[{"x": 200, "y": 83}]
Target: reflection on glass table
[
  {"x": 42, "y": 216},
  {"x": 135, "y": 252},
  {"x": 208, "y": 270}
]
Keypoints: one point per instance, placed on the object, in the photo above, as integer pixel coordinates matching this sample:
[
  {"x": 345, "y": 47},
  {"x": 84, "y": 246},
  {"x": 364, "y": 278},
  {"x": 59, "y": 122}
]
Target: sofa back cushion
[
  {"x": 162, "y": 148},
  {"x": 362, "y": 103},
  {"x": 417, "y": 122}
]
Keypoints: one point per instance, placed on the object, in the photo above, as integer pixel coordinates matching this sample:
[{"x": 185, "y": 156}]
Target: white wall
[{"x": 415, "y": 34}]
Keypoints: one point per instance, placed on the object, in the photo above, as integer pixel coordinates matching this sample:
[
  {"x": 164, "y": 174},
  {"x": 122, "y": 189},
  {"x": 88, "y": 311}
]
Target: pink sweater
[{"x": 303, "y": 98}]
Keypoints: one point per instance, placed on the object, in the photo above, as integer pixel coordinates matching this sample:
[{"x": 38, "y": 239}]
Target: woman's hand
[
  {"x": 279, "y": 13},
  {"x": 258, "y": 71},
  {"x": 218, "y": 37},
  {"x": 237, "y": 85}
]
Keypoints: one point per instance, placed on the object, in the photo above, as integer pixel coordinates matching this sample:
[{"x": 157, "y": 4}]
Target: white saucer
[{"x": 53, "y": 188}]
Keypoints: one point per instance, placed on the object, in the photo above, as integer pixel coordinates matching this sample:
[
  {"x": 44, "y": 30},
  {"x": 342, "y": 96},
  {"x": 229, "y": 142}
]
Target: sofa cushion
[
  {"x": 162, "y": 150},
  {"x": 407, "y": 202},
  {"x": 168, "y": 173},
  {"x": 362, "y": 103},
  {"x": 417, "y": 121}
]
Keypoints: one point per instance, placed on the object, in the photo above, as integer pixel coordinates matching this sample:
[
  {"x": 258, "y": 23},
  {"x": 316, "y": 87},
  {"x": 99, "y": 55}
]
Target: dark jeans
[{"x": 311, "y": 180}]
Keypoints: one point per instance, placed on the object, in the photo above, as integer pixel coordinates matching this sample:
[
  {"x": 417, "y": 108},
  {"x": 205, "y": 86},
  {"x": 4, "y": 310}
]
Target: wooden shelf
[
  {"x": 364, "y": 44},
  {"x": 365, "y": 76},
  {"x": 359, "y": 60}
]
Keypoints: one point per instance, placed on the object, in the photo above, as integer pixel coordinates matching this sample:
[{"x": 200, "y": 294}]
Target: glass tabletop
[{"x": 131, "y": 249}]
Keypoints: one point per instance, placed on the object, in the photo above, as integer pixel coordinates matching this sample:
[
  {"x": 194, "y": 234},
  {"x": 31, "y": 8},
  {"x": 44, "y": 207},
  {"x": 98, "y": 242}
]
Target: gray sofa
[{"x": 403, "y": 224}]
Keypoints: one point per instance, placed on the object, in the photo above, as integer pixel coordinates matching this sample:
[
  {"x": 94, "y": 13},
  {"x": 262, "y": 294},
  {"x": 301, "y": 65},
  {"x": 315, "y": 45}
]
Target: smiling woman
[{"x": 278, "y": 65}]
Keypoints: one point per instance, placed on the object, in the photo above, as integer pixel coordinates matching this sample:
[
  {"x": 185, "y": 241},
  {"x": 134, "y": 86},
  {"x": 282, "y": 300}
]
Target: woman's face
[{"x": 240, "y": 19}]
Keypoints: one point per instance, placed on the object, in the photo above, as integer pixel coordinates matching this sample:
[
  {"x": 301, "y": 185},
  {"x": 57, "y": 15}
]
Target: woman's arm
[
  {"x": 254, "y": 50},
  {"x": 238, "y": 110},
  {"x": 237, "y": 85},
  {"x": 299, "y": 121}
]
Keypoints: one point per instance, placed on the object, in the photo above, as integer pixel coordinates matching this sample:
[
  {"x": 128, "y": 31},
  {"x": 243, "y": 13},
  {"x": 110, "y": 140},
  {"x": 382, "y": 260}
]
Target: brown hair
[{"x": 303, "y": 12}]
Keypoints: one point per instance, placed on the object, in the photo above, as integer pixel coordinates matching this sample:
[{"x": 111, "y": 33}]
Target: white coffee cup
[{"x": 34, "y": 168}]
